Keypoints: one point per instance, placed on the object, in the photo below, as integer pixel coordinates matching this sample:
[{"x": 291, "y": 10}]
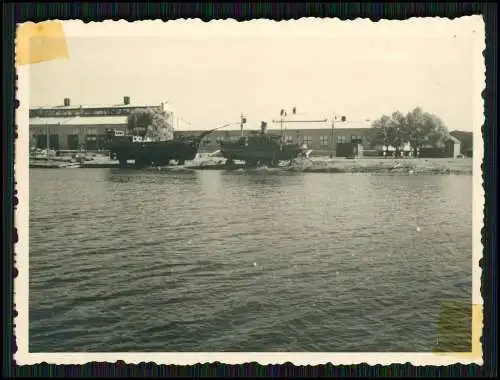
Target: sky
[{"x": 211, "y": 73}]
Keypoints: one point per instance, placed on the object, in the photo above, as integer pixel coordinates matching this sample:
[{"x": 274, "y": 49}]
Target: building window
[
  {"x": 289, "y": 139},
  {"x": 341, "y": 139},
  {"x": 90, "y": 130},
  {"x": 234, "y": 138},
  {"x": 308, "y": 140},
  {"x": 357, "y": 139},
  {"x": 219, "y": 139},
  {"x": 323, "y": 140}
]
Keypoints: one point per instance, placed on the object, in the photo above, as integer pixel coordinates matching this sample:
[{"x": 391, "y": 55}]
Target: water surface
[{"x": 129, "y": 260}]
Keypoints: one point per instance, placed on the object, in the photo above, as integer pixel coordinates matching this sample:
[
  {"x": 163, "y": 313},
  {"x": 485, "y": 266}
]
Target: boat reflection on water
[
  {"x": 264, "y": 179},
  {"x": 152, "y": 175}
]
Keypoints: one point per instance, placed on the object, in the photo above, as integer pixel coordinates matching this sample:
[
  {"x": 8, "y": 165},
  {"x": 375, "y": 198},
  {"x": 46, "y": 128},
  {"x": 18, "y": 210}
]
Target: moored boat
[
  {"x": 262, "y": 149},
  {"x": 152, "y": 153}
]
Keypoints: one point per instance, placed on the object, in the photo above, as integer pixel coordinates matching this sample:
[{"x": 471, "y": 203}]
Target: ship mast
[
  {"x": 243, "y": 120},
  {"x": 283, "y": 120},
  {"x": 282, "y": 114}
]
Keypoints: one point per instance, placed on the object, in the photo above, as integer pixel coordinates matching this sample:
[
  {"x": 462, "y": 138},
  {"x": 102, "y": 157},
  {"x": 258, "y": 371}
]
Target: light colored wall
[{"x": 63, "y": 131}]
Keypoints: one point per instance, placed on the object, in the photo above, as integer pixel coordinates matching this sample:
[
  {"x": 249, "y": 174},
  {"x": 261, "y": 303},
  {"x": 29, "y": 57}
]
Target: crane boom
[{"x": 300, "y": 121}]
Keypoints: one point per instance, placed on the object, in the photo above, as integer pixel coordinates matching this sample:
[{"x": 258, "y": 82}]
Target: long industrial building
[
  {"x": 78, "y": 127},
  {"x": 317, "y": 133}
]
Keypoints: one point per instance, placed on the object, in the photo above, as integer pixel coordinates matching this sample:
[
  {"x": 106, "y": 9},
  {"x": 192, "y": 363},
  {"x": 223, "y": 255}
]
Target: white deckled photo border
[{"x": 316, "y": 26}]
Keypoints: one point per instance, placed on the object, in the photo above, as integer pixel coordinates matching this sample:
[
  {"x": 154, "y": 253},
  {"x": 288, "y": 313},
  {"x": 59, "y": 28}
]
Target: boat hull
[
  {"x": 157, "y": 153},
  {"x": 269, "y": 155}
]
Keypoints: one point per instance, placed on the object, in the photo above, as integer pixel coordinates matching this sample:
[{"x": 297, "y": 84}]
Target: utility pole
[
  {"x": 281, "y": 121},
  {"x": 332, "y": 142},
  {"x": 47, "y": 139},
  {"x": 334, "y": 117},
  {"x": 284, "y": 131},
  {"x": 294, "y": 111}
]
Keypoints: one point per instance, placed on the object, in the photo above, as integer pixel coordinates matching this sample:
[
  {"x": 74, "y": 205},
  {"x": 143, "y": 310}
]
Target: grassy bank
[
  {"x": 364, "y": 165},
  {"x": 381, "y": 165},
  {"x": 313, "y": 165}
]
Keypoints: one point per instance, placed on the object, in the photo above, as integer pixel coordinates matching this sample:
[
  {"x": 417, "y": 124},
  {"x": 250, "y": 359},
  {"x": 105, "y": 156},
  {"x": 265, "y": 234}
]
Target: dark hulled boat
[
  {"x": 152, "y": 153},
  {"x": 262, "y": 149}
]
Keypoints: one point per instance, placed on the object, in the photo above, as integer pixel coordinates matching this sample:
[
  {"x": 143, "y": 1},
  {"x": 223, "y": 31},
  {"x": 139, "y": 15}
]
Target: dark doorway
[
  {"x": 91, "y": 142},
  {"x": 73, "y": 142},
  {"x": 41, "y": 141},
  {"x": 101, "y": 142},
  {"x": 54, "y": 142}
]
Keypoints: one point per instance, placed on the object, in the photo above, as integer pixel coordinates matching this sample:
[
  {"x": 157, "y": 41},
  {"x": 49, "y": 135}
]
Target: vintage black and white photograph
[{"x": 306, "y": 191}]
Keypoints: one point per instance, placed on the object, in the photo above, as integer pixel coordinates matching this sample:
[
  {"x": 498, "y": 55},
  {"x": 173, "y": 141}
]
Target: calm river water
[{"x": 128, "y": 260}]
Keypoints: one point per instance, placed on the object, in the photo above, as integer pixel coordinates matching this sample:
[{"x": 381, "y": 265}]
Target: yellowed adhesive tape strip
[
  {"x": 453, "y": 323},
  {"x": 40, "y": 42}
]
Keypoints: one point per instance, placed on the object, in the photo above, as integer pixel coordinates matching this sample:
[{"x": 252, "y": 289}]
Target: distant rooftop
[
  {"x": 68, "y": 114},
  {"x": 302, "y": 124},
  {"x": 67, "y": 105},
  {"x": 90, "y": 106},
  {"x": 79, "y": 120},
  {"x": 456, "y": 133},
  {"x": 454, "y": 139}
]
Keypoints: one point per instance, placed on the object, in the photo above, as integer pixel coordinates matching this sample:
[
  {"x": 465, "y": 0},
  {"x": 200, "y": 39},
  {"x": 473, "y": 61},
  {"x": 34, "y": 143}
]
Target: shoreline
[{"x": 315, "y": 165}]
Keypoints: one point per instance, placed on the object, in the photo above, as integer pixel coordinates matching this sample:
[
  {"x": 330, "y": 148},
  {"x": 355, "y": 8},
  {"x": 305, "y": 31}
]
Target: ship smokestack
[
  {"x": 263, "y": 127},
  {"x": 67, "y": 102},
  {"x": 126, "y": 100}
]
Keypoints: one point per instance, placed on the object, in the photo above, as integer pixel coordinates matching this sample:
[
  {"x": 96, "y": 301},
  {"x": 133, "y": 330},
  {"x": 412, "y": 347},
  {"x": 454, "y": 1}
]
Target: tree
[
  {"x": 150, "y": 123},
  {"x": 437, "y": 133},
  {"x": 398, "y": 131},
  {"x": 390, "y": 130},
  {"x": 418, "y": 128},
  {"x": 381, "y": 129},
  {"x": 425, "y": 129}
]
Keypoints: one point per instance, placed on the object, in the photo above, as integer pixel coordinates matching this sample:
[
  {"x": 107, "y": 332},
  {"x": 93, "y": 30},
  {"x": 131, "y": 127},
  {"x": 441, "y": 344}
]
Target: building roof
[
  {"x": 79, "y": 120},
  {"x": 454, "y": 139},
  {"x": 461, "y": 134},
  {"x": 302, "y": 124},
  {"x": 90, "y": 106},
  {"x": 49, "y": 120},
  {"x": 98, "y": 120},
  {"x": 291, "y": 122},
  {"x": 185, "y": 127}
]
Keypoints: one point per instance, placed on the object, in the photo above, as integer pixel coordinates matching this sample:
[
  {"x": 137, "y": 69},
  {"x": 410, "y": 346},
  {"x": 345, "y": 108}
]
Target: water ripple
[{"x": 246, "y": 261}]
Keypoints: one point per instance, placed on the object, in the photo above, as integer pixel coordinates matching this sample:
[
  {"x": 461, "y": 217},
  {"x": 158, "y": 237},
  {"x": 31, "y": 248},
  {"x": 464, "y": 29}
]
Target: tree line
[
  {"x": 417, "y": 128},
  {"x": 149, "y": 123}
]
